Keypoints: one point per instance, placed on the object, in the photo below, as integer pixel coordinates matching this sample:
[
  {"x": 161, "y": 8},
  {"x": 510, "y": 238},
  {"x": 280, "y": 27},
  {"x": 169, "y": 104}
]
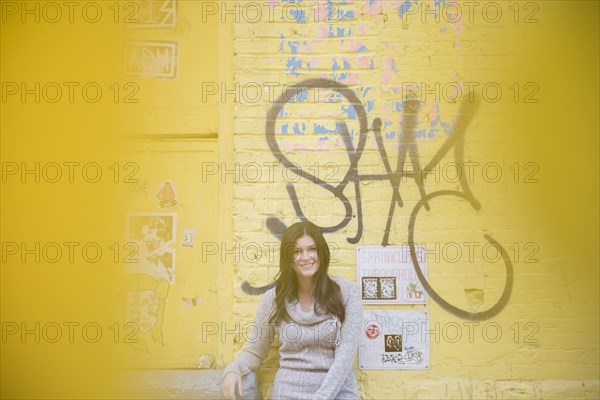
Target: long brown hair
[{"x": 327, "y": 293}]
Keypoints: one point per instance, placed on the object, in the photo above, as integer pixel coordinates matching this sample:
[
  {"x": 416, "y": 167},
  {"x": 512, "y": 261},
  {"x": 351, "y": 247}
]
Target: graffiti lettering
[{"x": 410, "y": 357}]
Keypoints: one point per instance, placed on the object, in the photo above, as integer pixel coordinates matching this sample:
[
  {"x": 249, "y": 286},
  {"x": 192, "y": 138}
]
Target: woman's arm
[
  {"x": 259, "y": 341},
  {"x": 345, "y": 352}
]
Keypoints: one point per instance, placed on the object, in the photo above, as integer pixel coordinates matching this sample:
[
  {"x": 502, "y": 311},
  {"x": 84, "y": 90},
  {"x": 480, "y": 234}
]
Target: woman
[{"x": 318, "y": 319}]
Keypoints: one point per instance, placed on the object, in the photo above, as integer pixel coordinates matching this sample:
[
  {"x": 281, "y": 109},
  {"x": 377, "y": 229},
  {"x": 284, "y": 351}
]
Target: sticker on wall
[
  {"x": 151, "y": 14},
  {"x": 394, "y": 339},
  {"x": 188, "y": 237},
  {"x": 387, "y": 276},
  {"x": 139, "y": 188},
  {"x": 190, "y": 302},
  {"x": 152, "y": 58},
  {"x": 167, "y": 195},
  {"x": 372, "y": 329},
  {"x": 154, "y": 236}
]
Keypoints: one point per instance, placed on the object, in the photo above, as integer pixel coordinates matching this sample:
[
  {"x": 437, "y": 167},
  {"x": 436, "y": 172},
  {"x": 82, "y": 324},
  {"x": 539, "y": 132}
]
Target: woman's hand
[{"x": 229, "y": 382}]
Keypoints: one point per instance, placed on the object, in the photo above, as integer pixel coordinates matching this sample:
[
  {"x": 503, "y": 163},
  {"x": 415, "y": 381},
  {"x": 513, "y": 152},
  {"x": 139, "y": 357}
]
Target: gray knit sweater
[{"x": 317, "y": 351}]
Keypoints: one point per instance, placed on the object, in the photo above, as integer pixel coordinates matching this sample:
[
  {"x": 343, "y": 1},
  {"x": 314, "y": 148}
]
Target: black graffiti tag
[{"x": 407, "y": 150}]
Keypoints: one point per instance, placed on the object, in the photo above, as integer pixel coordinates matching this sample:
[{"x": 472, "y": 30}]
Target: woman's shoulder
[
  {"x": 342, "y": 281},
  {"x": 270, "y": 294},
  {"x": 347, "y": 287},
  {"x": 267, "y": 302}
]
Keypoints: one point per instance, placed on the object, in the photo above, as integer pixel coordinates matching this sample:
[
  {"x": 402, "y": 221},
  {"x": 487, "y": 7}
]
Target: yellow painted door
[{"x": 168, "y": 290}]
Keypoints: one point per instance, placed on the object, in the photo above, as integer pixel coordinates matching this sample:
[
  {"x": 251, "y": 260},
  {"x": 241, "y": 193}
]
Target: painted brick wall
[{"x": 386, "y": 52}]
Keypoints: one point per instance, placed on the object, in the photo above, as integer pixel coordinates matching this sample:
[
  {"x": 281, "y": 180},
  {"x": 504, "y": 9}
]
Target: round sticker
[{"x": 372, "y": 329}]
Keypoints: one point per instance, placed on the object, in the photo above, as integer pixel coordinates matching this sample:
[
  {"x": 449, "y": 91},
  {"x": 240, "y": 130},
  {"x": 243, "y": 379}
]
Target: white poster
[
  {"x": 153, "y": 235},
  {"x": 394, "y": 339},
  {"x": 386, "y": 275}
]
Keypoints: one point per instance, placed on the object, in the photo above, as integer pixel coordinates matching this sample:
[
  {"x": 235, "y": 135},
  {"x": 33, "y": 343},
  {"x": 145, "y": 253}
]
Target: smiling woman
[{"x": 317, "y": 318}]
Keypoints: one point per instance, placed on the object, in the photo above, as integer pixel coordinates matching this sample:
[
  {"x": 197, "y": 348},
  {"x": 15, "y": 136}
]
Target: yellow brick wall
[
  {"x": 533, "y": 134},
  {"x": 541, "y": 134}
]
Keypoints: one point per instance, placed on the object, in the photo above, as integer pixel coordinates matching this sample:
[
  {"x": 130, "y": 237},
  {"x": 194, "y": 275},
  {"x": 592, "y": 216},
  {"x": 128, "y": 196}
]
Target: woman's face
[{"x": 305, "y": 258}]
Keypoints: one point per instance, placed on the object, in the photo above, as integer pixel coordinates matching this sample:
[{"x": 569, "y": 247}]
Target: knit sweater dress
[{"x": 317, "y": 351}]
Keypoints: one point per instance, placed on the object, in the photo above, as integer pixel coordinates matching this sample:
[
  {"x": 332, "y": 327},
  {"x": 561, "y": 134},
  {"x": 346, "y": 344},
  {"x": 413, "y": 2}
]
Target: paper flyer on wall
[
  {"x": 154, "y": 237},
  {"x": 386, "y": 274},
  {"x": 394, "y": 339}
]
